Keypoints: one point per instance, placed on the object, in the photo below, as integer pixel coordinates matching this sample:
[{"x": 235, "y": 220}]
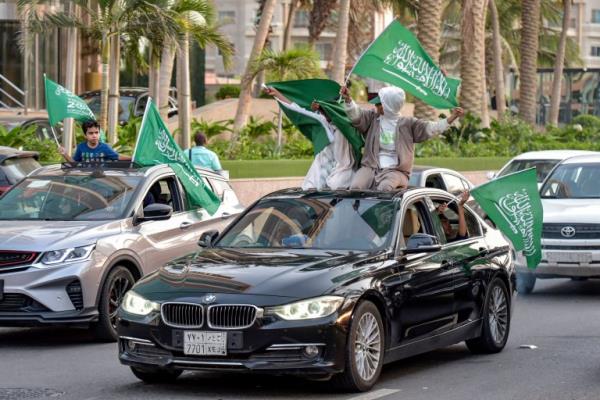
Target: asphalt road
[{"x": 561, "y": 318}]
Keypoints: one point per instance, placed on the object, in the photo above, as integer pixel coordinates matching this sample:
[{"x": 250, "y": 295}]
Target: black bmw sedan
[{"x": 325, "y": 285}]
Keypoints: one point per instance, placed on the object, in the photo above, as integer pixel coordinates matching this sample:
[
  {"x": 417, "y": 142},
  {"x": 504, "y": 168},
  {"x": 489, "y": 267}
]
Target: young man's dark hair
[{"x": 200, "y": 139}]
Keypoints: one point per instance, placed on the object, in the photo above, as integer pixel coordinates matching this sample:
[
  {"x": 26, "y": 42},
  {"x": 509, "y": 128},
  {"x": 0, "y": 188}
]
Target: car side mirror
[
  {"x": 422, "y": 243},
  {"x": 208, "y": 238},
  {"x": 490, "y": 175},
  {"x": 155, "y": 212}
]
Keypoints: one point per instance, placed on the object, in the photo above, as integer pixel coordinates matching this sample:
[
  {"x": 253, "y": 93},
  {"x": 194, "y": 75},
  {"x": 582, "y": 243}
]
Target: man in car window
[
  {"x": 92, "y": 150},
  {"x": 451, "y": 234}
]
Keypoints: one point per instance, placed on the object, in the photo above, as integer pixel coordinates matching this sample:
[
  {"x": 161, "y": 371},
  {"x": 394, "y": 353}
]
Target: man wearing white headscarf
[{"x": 390, "y": 139}]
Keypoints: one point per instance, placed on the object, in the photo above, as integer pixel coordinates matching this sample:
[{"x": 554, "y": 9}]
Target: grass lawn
[{"x": 276, "y": 168}]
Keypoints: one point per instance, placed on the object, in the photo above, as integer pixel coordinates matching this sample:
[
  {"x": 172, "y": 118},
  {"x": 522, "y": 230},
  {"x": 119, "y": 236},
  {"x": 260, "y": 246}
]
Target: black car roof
[
  {"x": 9, "y": 152},
  {"x": 350, "y": 194}
]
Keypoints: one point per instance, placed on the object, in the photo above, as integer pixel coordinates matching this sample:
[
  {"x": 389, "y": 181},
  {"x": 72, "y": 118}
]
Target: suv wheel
[
  {"x": 118, "y": 282},
  {"x": 496, "y": 321},
  {"x": 525, "y": 282},
  {"x": 155, "y": 375},
  {"x": 364, "y": 350}
]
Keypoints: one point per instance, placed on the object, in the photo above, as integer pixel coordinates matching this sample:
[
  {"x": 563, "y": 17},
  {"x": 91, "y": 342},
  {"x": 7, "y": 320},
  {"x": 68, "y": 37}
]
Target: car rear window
[{"x": 16, "y": 169}]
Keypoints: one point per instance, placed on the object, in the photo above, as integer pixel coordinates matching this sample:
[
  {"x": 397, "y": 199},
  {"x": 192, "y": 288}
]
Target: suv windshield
[
  {"x": 17, "y": 168},
  {"x": 573, "y": 181},
  {"x": 542, "y": 167},
  {"x": 68, "y": 198},
  {"x": 315, "y": 223}
]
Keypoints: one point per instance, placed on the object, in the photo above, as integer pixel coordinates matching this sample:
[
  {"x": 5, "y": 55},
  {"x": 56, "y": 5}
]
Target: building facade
[{"x": 585, "y": 30}]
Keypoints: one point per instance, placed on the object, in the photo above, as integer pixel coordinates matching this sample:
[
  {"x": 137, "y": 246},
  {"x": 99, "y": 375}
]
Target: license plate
[
  {"x": 569, "y": 257},
  {"x": 205, "y": 343}
]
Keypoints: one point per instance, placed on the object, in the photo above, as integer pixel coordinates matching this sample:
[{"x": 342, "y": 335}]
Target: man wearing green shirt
[{"x": 200, "y": 156}]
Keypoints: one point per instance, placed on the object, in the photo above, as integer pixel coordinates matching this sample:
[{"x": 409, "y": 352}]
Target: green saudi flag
[
  {"x": 396, "y": 57},
  {"x": 62, "y": 103},
  {"x": 325, "y": 92},
  {"x": 313, "y": 128},
  {"x": 155, "y": 145},
  {"x": 513, "y": 203}
]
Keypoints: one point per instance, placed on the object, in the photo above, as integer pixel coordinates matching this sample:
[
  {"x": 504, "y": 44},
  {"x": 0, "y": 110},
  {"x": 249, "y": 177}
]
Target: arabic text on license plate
[
  {"x": 570, "y": 257},
  {"x": 205, "y": 343}
]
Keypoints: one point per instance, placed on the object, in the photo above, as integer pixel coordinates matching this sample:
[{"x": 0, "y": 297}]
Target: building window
[
  {"x": 301, "y": 19},
  {"x": 324, "y": 50},
  {"x": 596, "y": 16},
  {"x": 595, "y": 51},
  {"x": 227, "y": 17}
]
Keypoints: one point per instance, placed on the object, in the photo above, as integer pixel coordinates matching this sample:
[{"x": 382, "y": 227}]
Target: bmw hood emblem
[{"x": 209, "y": 299}]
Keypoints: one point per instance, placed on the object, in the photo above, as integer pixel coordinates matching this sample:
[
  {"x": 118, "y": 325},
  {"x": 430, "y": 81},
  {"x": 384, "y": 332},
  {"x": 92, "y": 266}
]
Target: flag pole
[
  {"x": 141, "y": 129},
  {"x": 55, "y": 138}
]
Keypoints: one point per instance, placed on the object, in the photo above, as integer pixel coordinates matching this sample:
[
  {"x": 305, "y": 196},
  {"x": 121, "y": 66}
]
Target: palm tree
[
  {"x": 294, "y": 6},
  {"x": 472, "y": 56},
  {"x": 296, "y": 63},
  {"x": 110, "y": 20},
  {"x": 560, "y": 62},
  {"x": 530, "y": 23},
  {"x": 318, "y": 19},
  {"x": 498, "y": 63},
  {"x": 341, "y": 42},
  {"x": 246, "y": 85}
]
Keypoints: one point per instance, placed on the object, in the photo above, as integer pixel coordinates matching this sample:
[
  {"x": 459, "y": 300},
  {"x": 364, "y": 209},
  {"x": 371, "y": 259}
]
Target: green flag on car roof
[
  {"x": 396, "y": 57},
  {"x": 326, "y": 93},
  {"x": 513, "y": 203},
  {"x": 155, "y": 145}
]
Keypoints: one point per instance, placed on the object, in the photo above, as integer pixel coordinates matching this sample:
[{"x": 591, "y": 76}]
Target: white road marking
[{"x": 377, "y": 394}]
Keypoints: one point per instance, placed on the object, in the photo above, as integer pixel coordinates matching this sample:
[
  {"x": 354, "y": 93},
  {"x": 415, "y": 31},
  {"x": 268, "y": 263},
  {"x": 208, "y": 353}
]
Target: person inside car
[
  {"x": 461, "y": 233},
  {"x": 92, "y": 150}
]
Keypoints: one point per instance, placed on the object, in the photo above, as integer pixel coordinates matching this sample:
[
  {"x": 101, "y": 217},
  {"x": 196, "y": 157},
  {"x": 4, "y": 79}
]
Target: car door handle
[
  {"x": 225, "y": 215},
  {"x": 185, "y": 225}
]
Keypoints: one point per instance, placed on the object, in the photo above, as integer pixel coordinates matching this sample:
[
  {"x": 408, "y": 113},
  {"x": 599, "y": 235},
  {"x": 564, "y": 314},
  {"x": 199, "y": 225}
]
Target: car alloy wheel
[
  {"x": 367, "y": 346},
  {"x": 119, "y": 287},
  {"x": 116, "y": 284},
  {"x": 498, "y": 315}
]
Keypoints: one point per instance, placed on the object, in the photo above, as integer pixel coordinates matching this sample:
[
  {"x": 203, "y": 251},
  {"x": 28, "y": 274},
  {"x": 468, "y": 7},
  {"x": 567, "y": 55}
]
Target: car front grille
[
  {"x": 11, "y": 259},
  {"x": 581, "y": 231},
  {"x": 182, "y": 315},
  {"x": 16, "y": 302},
  {"x": 231, "y": 316}
]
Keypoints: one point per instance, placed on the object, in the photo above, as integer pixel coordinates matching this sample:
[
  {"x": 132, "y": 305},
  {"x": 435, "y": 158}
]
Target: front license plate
[
  {"x": 205, "y": 343},
  {"x": 569, "y": 257}
]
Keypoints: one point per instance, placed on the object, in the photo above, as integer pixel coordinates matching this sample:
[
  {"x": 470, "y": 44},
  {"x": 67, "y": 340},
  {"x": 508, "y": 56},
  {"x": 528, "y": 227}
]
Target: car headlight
[
  {"x": 133, "y": 303},
  {"x": 67, "y": 255},
  {"x": 307, "y": 309}
]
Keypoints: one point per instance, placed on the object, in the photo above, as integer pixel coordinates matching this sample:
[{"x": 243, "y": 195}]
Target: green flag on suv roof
[{"x": 155, "y": 145}]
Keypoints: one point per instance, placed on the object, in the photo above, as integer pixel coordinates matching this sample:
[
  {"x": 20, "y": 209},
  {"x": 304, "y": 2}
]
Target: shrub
[
  {"x": 227, "y": 92},
  {"x": 211, "y": 129}
]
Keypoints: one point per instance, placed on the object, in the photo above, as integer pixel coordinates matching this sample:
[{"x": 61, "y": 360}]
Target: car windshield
[
  {"x": 125, "y": 102},
  {"x": 68, "y": 198},
  {"x": 16, "y": 169},
  {"x": 573, "y": 181},
  {"x": 543, "y": 167},
  {"x": 314, "y": 223}
]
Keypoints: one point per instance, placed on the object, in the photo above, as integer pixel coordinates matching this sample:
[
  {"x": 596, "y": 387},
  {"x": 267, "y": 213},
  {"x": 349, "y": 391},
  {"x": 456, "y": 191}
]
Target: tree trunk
[
  {"x": 485, "y": 112},
  {"x": 530, "y": 27},
  {"x": 184, "y": 104},
  {"x": 105, "y": 49},
  {"x": 289, "y": 26},
  {"x": 113, "y": 90},
  {"x": 167, "y": 60},
  {"x": 429, "y": 27},
  {"x": 498, "y": 63},
  {"x": 339, "y": 57},
  {"x": 246, "y": 85},
  {"x": 72, "y": 36},
  {"x": 318, "y": 18},
  {"x": 560, "y": 63},
  {"x": 154, "y": 78},
  {"x": 472, "y": 55}
]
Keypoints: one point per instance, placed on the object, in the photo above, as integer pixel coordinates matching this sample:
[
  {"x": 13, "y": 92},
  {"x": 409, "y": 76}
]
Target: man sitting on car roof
[{"x": 92, "y": 150}]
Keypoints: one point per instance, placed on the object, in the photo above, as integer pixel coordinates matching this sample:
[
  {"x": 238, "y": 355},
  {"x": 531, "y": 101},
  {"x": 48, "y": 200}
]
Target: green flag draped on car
[
  {"x": 396, "y": 57},
  {"x": 155, "y": 145},
  {"x": 326, "y": 93},
  {"x": 513, "y": 203}
]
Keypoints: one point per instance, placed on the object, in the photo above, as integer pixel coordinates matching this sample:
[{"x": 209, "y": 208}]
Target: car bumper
[
  {"x": 83, "y": 317},
  {"x": 278, "y": 348},
  {"x": 577, "y": 260}
]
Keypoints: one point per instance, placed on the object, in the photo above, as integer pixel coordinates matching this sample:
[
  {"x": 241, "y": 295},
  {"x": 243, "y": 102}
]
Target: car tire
[
  {"x": 359, "y": 374},
  {"x": 117, "y": 283},
  {"x": 155, "y": 375},
  {"x": 525, "y": 282},
  {"x": 496, "y": 321}
]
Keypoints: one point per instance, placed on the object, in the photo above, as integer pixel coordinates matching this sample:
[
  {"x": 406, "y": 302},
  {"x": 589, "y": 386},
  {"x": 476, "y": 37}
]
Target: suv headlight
[
  {"x": 307, "y": 309},
  {"x": 67, "y": 255},
  {"x": 133, "y": 303}
]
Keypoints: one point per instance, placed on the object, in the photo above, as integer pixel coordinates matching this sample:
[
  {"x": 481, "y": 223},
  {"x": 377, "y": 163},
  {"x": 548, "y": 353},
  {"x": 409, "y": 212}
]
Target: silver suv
[{"x": 73, "y": 240}]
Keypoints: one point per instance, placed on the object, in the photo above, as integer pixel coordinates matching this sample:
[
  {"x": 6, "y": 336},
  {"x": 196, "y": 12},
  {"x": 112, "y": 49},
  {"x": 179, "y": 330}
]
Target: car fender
[{"x": 123, "y": 256}]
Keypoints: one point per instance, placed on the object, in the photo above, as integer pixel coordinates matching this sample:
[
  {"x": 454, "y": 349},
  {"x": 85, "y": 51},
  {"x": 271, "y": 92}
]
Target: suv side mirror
[
  {"x": 490, "y": 175},
  {"x": 155, "y": 212},
  {"x": 207, "y": 238},
  {"x": 422, "y": 243}
]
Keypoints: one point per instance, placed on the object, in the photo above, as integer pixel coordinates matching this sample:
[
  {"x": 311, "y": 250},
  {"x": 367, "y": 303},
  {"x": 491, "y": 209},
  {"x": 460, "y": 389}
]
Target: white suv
[{"x": 571, "y": 233}]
